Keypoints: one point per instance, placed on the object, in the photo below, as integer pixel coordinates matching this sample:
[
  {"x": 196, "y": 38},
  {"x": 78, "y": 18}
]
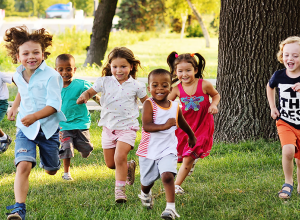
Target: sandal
[{"x": 286, "y": 192}]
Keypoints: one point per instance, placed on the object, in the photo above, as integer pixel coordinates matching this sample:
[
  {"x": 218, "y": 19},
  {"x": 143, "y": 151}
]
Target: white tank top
[{"x": 155, "y": 145}]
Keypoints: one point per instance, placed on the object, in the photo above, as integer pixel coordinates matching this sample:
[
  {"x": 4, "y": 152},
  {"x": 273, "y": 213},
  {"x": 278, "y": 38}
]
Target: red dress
[{"x": 195, "y": 112}]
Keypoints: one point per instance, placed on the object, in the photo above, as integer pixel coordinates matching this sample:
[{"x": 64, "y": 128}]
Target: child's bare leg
[
  {"x": 109, "y": 157},
  {"x": 21, "y": 184},
  {"x": 122, "y": 150},
  {"x": 1, "y": 133},
  {"x": 298, "y": 174},
  {"x": 168, "y": 181},
  {"x": 67, "y": 163},
  {"x": 288, "y": 152},
  {"x": 187, "y": 164},
  {"x": 146, "y": 189}
]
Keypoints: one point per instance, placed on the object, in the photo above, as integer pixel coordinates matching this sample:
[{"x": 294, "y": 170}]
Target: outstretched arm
[
  {"x": 271, "y": 98},
  {"x": 11, "y": 114},
  {"x": 86, "y": 95},
  {"x": 43, "y": 113},
  {"x": 147, "y": 119},
  {"x": 187, "y": 129},
  {"x": 96, "y": 98}
]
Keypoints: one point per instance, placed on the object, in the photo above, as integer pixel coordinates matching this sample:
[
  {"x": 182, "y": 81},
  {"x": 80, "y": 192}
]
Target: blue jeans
[
  {"x": 25, "y": 150},
  {"x": 3, "y": 108}
]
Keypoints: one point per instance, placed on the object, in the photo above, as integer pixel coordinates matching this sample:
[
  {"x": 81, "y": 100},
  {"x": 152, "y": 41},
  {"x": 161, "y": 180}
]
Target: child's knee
[
  {"x": 167, "y": 177},
  {"x": 288, "y": 151}
]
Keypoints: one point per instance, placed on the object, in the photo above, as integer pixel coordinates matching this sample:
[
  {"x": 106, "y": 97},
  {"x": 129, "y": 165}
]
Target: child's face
[
  {"x": 160, "y": 86},
  {"x": 30, "y": 56},
  {"x": 66, "y": 69},
  {"x": 291, "y": 57},
  {"x": 120, "y": 68},
  {"x": 186, "y": 72}
]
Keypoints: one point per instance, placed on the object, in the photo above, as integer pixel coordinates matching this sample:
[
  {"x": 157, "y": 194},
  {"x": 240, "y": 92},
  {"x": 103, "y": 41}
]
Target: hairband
[
  {"x": 192, "y": 54},
  {"x": 176, "y": 55}
]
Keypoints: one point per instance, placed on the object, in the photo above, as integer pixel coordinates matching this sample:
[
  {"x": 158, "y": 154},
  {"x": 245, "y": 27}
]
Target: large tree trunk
[
  {"x": 202, "y": 25},
  {"x": 100, "y": 32},
  {"x": 250, "y": 33}
]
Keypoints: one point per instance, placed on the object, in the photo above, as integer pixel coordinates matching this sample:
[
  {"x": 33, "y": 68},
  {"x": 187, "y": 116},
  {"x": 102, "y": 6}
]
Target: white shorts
[
  {"x": 111, "y": 137},
  {"x": 151, "y": 170}
]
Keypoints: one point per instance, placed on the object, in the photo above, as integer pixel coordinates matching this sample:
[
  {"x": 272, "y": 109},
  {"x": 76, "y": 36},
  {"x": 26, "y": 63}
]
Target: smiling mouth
[{"x": 290, "y": 65}]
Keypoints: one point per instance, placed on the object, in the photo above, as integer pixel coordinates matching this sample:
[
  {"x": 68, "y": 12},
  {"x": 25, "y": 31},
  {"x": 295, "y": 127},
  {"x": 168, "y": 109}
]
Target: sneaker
[
  {"x": 67, "y": 177},
  {"x": 4, "y": 144},
  {"x": 131, "y": 172},
  {"x": 179, "y": 190},
  {"x": 18, "y": 212},
  {"x": 193, "y": 167},
  {"x": 120, "y": 196},
  {"x": 169, "y": 214},
  {"x": 147, "y": 200}
]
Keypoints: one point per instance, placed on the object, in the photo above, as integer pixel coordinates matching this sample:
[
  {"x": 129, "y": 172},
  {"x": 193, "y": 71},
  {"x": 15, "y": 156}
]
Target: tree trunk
[
  {"x": 200, "y": 20},
  {"x": 100, "y": 32},
  {"x": 183, "y": 19},
  {"x": 249, "y": 36}
]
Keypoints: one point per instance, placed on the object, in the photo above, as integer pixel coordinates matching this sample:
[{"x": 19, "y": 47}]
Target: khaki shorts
[
  {"x": 75, "y": 139},
  {"x": 289, "y": 135}
]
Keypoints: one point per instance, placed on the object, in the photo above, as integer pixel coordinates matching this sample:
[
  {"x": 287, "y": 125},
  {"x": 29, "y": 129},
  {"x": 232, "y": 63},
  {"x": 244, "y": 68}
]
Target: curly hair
[
  {"x": 16, "y": 36},
  {"x": 122, "y": 52},
  {"x": 174, "y": 59},
  {"x": 289, "y": 40}
]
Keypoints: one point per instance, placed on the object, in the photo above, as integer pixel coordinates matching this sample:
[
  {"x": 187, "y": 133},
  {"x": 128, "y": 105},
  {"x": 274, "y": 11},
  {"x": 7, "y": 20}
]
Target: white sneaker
[
  {"x": 147, "y": 200},
  {"x": 179, "y": 190},
  {"x": 67, "y": 177},
  {"x": 193, "y": 167},
  {"x": 169, "y": 213}
]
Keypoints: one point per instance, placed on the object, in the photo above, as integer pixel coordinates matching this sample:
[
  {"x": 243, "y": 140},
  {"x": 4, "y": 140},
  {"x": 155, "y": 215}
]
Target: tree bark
[
  {"x": 202, "y": 25},
  {"x": 249, "y": 36},
  {"x": 100, "y": 32}
]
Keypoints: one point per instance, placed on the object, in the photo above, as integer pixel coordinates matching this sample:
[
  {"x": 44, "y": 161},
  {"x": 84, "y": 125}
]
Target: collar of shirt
[{"x": 130, "y": 79}]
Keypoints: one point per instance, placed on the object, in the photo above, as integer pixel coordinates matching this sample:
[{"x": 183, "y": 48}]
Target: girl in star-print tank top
[{"x": 193, "y": 92}]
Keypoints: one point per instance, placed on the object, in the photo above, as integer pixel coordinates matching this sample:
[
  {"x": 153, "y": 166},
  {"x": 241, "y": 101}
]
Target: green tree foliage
[{"x": 140, "y": 15}]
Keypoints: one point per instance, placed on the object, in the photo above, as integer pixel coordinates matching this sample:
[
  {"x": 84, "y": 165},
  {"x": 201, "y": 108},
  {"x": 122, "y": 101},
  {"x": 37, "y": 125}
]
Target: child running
[
  {"x": 39, "y": 97},
  {"x": 157, "y": 150},
  {"x": 119, "y": 93},
  {"x": 75, "y": 131},
  {"x": 287, "y": 80},
  {"x": 193, "y": 92},
  {"x": 5, "y": 140}
]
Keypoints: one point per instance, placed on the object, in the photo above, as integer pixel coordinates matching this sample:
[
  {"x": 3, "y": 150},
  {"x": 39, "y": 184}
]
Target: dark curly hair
[
  {"x": 122, "y": 52},
  {"x": 174, "y": 59},
  {"x": 16, "y": 36}
]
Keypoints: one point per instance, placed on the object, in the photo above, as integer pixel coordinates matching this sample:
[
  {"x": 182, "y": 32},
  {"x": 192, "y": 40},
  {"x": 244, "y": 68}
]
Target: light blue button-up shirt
[{"x": 44, "y": 89}]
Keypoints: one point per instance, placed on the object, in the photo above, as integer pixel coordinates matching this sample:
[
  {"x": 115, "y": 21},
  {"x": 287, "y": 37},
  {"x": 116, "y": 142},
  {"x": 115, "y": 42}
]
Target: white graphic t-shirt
[{"x": 289, "y": 100}]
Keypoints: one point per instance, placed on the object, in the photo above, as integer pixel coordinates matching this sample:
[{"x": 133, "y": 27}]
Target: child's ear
[
  {"x": 196, "y": 70},
  {"x": 75, "y": 69},
  {"x": 17, "y": 55},
  {"x": 148, "y": 88}
]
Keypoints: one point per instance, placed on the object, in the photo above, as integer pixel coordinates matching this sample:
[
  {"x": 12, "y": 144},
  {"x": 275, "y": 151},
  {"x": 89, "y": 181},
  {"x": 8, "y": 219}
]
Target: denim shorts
[
  {"x": 3, "y": 108},
  {"x": 151, "y": 170},
  {"x": 25, "y": 150}
]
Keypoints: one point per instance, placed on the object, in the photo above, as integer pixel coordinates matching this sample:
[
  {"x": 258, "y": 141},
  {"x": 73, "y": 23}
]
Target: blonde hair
[{"x": 289, "y": 40}]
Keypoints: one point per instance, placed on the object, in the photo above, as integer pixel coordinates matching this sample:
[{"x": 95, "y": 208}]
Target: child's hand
[
  {"x": 296, "y": 87},
  {"x": 274, "y": 113},
  {"x": 213, "y": 109},
  {"x": 28, "y": 120},
  {"x": 192, "y": 141},
  {"x": 11, "y": 114},
  {"x": 170, "y": 123},
  {"x": 83, "y": 98}
]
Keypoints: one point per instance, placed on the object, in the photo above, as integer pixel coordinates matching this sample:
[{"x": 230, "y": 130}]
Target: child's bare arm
[
  {"x": 86, "y": 95},
  {"x": 187, "y": 129},
  {"x": 174, "y": 93},
  {"x": 11, "y": 114},
  {"x": 144, "y": 99},
  {"x": 43, "y": 113},
  {"x": 210, "y": 90},
  {"x": 96, "y": 98},
  {"x": 147, "y": 119},
  {"x": 271, "y": 98},
  {"x": 296, "y": 87}
]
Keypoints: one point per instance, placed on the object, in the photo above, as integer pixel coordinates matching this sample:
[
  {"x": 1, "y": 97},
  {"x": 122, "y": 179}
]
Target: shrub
[{"x": 194, "y": 31}]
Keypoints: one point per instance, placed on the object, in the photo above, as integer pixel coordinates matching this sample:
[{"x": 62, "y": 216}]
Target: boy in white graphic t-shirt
[{"x": 157, "y": 150}]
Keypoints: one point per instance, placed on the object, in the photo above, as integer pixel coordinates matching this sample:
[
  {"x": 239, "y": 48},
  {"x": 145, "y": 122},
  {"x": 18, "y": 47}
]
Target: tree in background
[
  {"x": 140, "y": 15},
  {"x": 250, "y": 32},
  {"x": 100, "y": 32}
]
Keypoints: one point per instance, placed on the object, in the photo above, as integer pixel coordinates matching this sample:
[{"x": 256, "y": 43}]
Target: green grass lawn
[{"x": 237, "y": 181}]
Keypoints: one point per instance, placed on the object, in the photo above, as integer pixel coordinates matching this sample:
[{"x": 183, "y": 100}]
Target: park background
[{"x": 237, "y": 181}]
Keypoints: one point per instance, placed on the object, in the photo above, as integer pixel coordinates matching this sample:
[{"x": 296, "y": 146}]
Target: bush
[{"x": 194, "y": 31}]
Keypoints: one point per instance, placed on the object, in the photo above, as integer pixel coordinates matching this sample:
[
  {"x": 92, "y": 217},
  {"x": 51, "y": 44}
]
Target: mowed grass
[{"x": 237, "y": 181}]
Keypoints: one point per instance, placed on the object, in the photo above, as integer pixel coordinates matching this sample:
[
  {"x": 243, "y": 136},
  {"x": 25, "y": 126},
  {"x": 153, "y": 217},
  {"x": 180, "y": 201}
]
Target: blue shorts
[
  {"x": 25, "y": 150},
  {"x": 151, "y": 170},
  {"x": 3, "y": 108}
]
